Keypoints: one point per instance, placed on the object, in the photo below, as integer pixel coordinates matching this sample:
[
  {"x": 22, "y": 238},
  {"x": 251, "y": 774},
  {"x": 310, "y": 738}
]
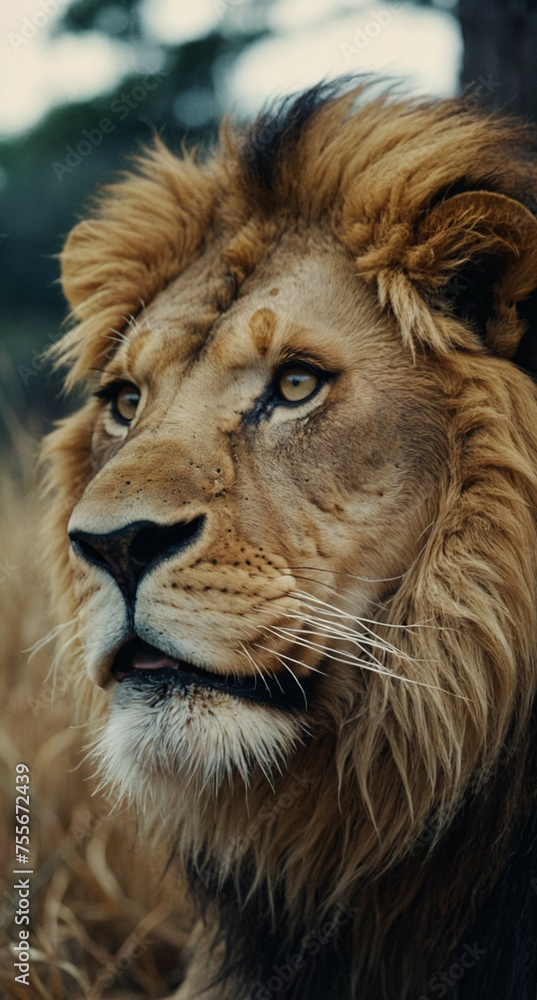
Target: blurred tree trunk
[{"x": 500, "y": 53}]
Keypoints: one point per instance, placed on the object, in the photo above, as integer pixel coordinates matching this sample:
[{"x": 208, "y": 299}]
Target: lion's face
[{"x": 245, "y": 483}]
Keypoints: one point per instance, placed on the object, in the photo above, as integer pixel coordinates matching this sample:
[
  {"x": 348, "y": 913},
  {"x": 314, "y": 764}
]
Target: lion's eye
[
  {"x": 124, "y": 399},
  {"x": 297, "y": 384},
  {"x": 126, "y": 402}
]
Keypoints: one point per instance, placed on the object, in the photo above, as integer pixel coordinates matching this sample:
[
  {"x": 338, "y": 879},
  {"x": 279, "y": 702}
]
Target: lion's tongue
[{"x": 152, "y": 659}]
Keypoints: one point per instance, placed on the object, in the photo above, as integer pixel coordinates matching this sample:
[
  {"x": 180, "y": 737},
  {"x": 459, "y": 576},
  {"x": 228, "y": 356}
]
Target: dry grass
[{"x": 102, "y": 915}]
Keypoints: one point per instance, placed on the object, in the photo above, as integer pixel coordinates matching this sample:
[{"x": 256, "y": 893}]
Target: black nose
[{"x": 134, "y": 550}]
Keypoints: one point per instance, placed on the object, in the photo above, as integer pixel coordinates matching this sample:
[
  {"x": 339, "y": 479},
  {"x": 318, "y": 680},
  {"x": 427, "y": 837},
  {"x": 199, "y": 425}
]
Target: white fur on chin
[{"x": 201, "y": 736}]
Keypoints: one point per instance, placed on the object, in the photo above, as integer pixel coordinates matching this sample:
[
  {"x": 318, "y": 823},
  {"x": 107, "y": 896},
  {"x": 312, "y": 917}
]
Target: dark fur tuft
[{"x": 278, "y": 128}]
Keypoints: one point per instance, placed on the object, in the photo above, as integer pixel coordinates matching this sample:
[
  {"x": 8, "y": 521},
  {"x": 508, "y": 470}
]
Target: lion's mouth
[
  {"x": 139, "y": 655},
  {"x": 143, "y": 666}
]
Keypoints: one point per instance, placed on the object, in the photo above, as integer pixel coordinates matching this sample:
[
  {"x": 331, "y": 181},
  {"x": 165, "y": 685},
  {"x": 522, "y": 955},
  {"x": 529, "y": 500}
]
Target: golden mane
[
  {"x": 372, "y": 172},
  {"x": 434, "y": 204}
]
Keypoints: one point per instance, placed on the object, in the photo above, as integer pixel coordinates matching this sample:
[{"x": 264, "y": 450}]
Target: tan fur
[{"x": 401, "y": 499}]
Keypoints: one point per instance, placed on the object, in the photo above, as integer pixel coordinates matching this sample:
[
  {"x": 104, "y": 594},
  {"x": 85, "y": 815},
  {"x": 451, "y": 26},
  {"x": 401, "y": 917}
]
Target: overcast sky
[{"x": 314, "y": 39}]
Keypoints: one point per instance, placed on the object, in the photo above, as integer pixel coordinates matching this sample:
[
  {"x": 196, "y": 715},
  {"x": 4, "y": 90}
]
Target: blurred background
[{"x": 176, "y": 66}]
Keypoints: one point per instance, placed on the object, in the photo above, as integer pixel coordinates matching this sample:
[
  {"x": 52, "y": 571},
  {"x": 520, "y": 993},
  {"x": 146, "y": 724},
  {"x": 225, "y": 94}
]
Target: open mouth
[{"x": 145, "y": 667}]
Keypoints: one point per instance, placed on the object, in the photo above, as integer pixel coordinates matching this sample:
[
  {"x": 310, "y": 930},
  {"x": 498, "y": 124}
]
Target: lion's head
[{"x": 294, "y": 524}]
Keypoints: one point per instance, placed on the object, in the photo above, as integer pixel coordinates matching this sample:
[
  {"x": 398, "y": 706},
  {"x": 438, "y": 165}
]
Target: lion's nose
[{"x": 132, "y": 551}]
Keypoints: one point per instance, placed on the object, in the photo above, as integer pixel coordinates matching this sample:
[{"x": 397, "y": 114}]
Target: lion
[{"x": 293, "y": 526}]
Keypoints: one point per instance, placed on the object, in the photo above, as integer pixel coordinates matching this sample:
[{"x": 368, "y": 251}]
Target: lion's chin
[{"x": 163, "y": 730}]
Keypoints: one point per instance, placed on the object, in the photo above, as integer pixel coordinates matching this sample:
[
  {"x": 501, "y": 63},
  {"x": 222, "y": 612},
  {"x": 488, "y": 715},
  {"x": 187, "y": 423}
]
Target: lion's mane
[{"x": 393, "y": 829}]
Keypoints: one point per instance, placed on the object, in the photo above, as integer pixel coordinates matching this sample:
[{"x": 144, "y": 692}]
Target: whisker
[
  {"x": 132, "y": 323},
  {"x": 144, "y": 310},
  {"x": 296, "y": 636},
  {"x": 119, "y": 336},
  {"x": 343, "y": 631},
  {"x": 364, "y": 642},
  {"x": 352, "y": 576},
  {"x": 307, "y": 666},
  {"x": 337, "y": 612},
  {"x": 293, "y": 675},
  {"x": 372, "y": 621},
  {"x": 54, "y": 632},
  {"x": 421, "y": 534},
  {"x": 333, "y": 590},
  {"x": 337, "y": 659},
  {"x": 255, "y": 666},
  {"x": 349, "y": 657},
  {"x": 381, "y": 670}
]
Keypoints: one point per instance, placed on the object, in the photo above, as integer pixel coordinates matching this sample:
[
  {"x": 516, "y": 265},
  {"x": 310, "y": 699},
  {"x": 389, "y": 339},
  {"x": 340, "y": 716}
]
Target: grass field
[{"x": 104, "y": 918}]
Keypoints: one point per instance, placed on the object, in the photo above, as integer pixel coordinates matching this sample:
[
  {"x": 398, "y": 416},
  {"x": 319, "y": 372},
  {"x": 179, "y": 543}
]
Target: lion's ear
[{"x": 475, "y": 257}]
